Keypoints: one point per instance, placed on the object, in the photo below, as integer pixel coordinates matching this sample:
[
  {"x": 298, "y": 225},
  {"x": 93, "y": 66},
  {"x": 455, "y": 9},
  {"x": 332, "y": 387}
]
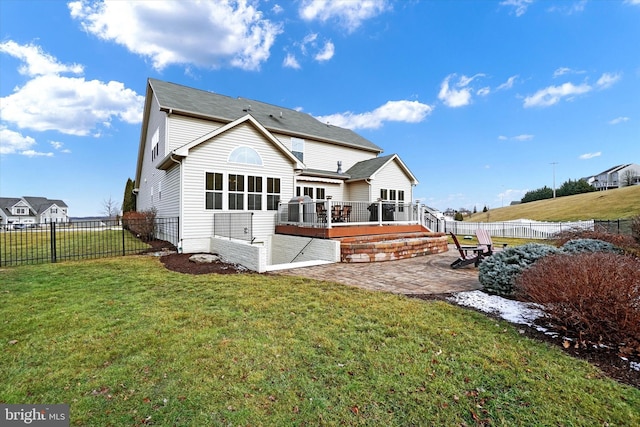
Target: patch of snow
[
  {"x": 511, "y": 311},
  {"x": 635, "y": 366}
]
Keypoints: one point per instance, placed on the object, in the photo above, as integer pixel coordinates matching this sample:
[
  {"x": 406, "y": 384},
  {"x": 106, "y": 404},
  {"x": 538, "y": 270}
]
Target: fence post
[
  {"x": 53, "y": 242},
  {"x": 124, "y": 252}
]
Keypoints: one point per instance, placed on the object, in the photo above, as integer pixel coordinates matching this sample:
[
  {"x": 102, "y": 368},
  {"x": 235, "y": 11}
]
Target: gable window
[
  {"x": 273, "y": 193},
  {"x": 213, "y": 191},
  {"x": 54, "y": 210},
  {"x": 20, "y": 211},
  {"x": 236, "y": 192},
  {"x": 254, "y": 196},
  {"x": 155, "y": 145},
  {"x": 297, "y": 147},
  {"x": 245, "y": 155}
]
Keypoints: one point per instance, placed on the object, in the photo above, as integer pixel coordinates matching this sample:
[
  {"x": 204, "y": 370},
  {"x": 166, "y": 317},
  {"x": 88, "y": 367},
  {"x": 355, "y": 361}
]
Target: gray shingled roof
[
  {"x": 366, "y": 168},
  {"x": 6, "y": 203},
  {"x": 202, "y": 103},
  {"x": 40, "y": 204}
]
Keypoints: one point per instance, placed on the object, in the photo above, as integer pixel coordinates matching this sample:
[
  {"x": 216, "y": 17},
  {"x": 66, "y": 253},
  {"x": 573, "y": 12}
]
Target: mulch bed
[{"x": 607, "y": 359}]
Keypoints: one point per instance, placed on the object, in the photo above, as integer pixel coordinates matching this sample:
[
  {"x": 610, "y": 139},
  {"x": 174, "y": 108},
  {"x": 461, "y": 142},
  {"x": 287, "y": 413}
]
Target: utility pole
[{"x": 554, "y": 178}]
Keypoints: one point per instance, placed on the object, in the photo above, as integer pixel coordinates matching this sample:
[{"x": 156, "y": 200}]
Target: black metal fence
[
  {"x": 40, "y": 243},
  {"x": 617, "y": 226},
  {"x": 234, "y": 225}
]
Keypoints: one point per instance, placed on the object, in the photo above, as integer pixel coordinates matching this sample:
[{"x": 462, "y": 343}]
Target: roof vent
[
  {"x": 248, "y": 108},
  {"x": 339, "y": 166}
]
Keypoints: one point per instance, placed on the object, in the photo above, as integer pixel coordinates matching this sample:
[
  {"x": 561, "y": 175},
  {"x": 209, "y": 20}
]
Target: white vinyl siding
[
  {"x": 212, "y": 156},
  {"x": 392, "y": 177},
  {"x": 324, "y": 156},
  {"x": 183, "y": 130}
]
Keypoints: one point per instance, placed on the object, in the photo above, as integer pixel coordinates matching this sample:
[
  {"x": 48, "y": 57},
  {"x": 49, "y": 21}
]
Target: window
[
  {"x": 383, "y": 194},
  {"x": 155, "y": 145},
  {"x": 308, "y": 191},
  {"x": 297, "y": 147},
  {"x": 401, "y": 200},
  {"x": 245, "y": 155},
  {"x": 21, "y": 211},
  {"x": 236, "y": 192},
  {"x": 392, "y": 195},
  {"x": 273, "y": 193},
  {"x": 254, "y": 198},
  {"x": 213, "y": 191},
  {"x": 54, "y": 210},
  {"x": 320, "y": 194}
]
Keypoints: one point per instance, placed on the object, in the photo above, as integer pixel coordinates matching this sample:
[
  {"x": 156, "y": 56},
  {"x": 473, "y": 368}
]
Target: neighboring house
[
  {"x": 616, "y": 177},
  {"x": 31, "y": 210},
  {"x": 201, "y": 154}
]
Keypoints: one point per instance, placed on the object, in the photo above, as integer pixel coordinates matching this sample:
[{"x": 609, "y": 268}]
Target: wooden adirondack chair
[
  {"x": 468, "y": 254},
  {"x": 484, "y": 240}
]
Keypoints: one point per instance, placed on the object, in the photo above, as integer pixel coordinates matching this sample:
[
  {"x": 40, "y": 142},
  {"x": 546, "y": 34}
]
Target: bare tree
[
  {"x": 629, "y": 177},
  {"x": 110, "y": 208}
]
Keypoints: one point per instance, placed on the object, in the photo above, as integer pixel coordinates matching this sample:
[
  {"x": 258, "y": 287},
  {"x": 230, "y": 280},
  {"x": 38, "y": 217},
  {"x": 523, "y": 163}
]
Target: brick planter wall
[{"x": 389, "y": 247}]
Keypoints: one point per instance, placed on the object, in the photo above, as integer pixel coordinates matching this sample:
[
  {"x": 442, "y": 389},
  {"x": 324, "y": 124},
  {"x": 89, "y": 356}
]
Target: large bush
[
  {"x": 598, "y": 233},
  {"x": 142, "y": 224},
  {"x": 498, "y": 272},
  {"x": 595, "y": 296},
  {"x": 577, "y": 246}
]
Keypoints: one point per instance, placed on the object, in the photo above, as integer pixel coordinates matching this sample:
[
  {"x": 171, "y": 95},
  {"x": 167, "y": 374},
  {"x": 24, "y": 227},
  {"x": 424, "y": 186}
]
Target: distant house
[
  {"x": 616, "y": 177},
  {"x": 203, "y": 154},
  {"x": 31, "y": 210}
]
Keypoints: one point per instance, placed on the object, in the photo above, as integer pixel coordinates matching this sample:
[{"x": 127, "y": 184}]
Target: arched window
[{"x": 246, "y": 155}]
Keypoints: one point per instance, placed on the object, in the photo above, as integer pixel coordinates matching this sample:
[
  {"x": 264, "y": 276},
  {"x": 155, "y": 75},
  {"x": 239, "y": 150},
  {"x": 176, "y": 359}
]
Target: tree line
[{"x": 568, "y": 188}]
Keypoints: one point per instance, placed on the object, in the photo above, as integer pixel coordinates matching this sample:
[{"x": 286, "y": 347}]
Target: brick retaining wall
[{"x": 391, "y": 247}]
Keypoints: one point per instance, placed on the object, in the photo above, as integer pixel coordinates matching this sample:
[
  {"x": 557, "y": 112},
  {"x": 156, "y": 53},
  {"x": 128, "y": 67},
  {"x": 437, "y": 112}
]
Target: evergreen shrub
[
  {"x": 498, "y": 272},
  {"x": 577, "y": 246}
]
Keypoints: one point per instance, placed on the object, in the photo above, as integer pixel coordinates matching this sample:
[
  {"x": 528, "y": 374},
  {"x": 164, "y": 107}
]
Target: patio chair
[
  {"x": 484, "y": 241},
  {"x": 467, "y": 258},
  {"x": 321, "y": 212},
  {"x": 346, "y": 213}
]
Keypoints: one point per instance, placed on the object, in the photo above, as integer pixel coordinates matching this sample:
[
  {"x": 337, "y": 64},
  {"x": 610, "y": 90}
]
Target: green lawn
[
  {"x": 33, "y": 246},
  {"x": 124, "y": 341}
]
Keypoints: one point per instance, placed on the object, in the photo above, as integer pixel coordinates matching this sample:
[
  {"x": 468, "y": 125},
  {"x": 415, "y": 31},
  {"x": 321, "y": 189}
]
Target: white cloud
[
  {"x": 569, "y": 9},
  {"x": 290, "y": 61},
  {"x": 12, "y": 142},
  {"x": 70, "y": 105},
  {"x": 607, "y": 80},
  {"x": 634, "y": 2},
  {"x": 35, "y": 62},
  {"x": 553, "y": 94},
  {"x": 484, "y": 91},
  {"x": 456, "y": 97},
  {"x": 277, "y": 9},
  {"x": 566, "y": 70},
  {"x": 508, "y": 84},
  {"x": 392, "y": 111},
  {"x": 510, "y": 195},
  {"x": 326, "y": 53},
  {"x": 33, "y": 153},
  {"x": 520, "y": 6},
  {"x": 587, "y": 156},
  {"x": 522, "y": 137},
  {"x": 619, "y": 120},
  {"x": 205, "y": 34},
  {"x": 58, "y": 146},
  {"x": 348, "y": 13}
]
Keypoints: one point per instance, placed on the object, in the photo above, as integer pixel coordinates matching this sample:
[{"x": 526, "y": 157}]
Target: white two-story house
[
  {"x": 203, "y": 154},
  {"x": 31, "y": 211}
]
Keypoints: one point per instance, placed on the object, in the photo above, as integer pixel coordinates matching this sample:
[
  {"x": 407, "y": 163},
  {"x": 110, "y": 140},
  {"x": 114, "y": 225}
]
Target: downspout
[{"x": 180, "y": 207}]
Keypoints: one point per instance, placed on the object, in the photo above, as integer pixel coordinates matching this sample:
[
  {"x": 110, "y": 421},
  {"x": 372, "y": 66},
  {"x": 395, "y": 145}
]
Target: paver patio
[{"x": 430, "y": 274}]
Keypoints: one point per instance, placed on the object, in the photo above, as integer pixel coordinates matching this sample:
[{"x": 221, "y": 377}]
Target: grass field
[
  {"x": 125, "y": 342},
  {"x": 34, "y": 245},
  {"x": 612, "y": 204}
]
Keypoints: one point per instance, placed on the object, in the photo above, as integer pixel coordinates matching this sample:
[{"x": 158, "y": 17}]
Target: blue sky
[{"x": 483, "y": 100}]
